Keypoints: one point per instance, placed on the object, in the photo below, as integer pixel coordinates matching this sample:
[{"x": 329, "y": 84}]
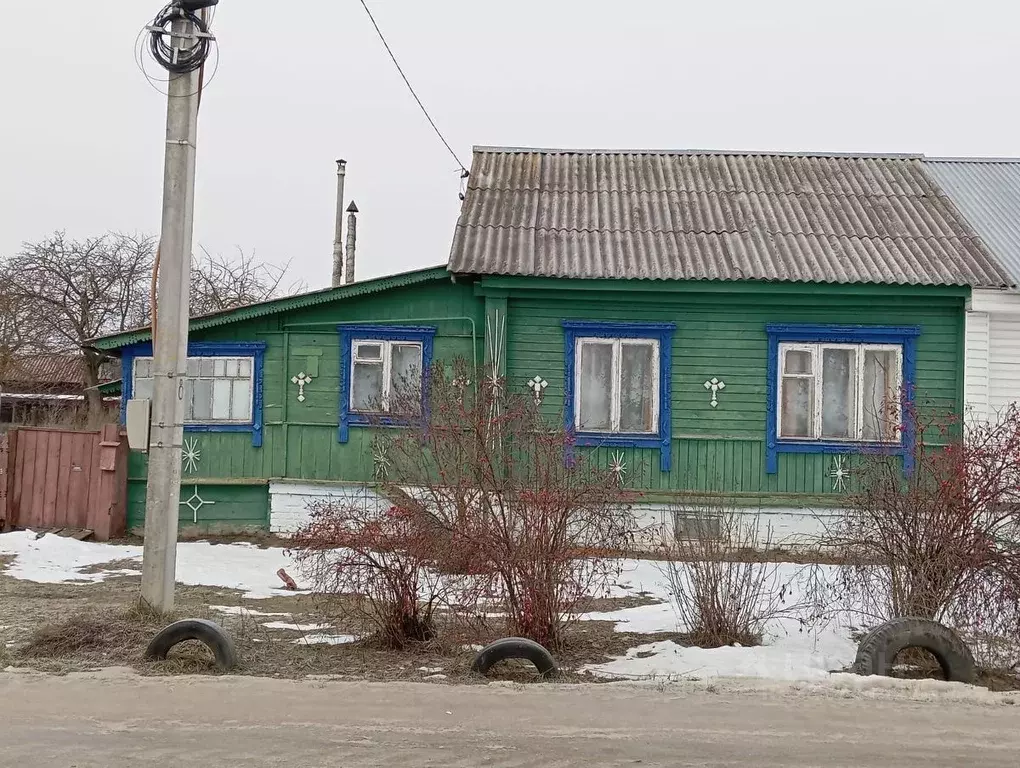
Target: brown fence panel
[
  {"x": 6, "y": 476},
  {"x": 67, "y": 479}
]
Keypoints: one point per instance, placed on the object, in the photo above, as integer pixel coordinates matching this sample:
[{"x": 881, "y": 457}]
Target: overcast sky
[{"x": 302, "y": 83}]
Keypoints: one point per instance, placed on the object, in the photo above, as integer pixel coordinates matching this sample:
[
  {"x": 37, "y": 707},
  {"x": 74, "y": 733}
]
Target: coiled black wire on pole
[{"x": 178, "y": 60}]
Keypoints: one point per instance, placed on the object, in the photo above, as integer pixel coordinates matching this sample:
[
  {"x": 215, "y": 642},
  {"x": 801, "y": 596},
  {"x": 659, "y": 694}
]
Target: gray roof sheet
[
  {"x": 987, "y": 191},
  {"x": 715, "y": 216}
]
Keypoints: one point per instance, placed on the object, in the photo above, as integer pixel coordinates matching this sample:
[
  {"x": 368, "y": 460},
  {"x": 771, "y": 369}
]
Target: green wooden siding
[
  {"x": 300, "y": 438},
  {"x": 719, "y": 333},
  {"x": 221, "y": 508},
  {"x": 723, "y": 335}
]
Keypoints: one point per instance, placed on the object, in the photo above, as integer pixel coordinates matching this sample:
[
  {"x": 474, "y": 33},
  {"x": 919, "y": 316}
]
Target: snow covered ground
[
  {"x": 55, "y": 560},
  {"x": 793, "y": 651}
]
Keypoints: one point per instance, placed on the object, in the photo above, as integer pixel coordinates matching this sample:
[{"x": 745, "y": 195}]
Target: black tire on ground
[
  {"x": 213, "y": 635},
  {"x": 878, "y": 649},
  {"x": 515, "y": 648}
]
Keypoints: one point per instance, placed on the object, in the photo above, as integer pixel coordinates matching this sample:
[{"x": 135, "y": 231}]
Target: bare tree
[
  {"x": 219, "y": 283},
  {"x": 76, "y": 290},
  {"x": 59, "y": 293}
]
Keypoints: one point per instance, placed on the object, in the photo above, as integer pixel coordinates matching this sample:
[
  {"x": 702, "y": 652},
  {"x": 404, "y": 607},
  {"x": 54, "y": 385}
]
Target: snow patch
[
  {"x": 57, "y": 560},
  {"x": 296, "y": 627},
  {"x": 325, "y": 640},
  {"x": 241, "y": 610}
]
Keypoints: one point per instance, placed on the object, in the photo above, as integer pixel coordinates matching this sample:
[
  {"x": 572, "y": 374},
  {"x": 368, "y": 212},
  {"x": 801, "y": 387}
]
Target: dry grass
[{"x": 62, "y": 628}]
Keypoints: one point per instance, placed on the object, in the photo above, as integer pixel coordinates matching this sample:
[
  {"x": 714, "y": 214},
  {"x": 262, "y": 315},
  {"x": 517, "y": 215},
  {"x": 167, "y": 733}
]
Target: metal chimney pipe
[
  {"x": 352, "y": 237},
  {"x": 338, "y": 241}
]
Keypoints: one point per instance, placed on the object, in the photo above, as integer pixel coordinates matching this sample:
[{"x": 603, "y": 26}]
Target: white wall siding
[
  {"x": 288, "y": 502},
  {"x": 1003, "y": 361},
  {"x": 785, "y": 527},
  {"x": 975, "y": 376},
  {"x": 992, "y": 367}
]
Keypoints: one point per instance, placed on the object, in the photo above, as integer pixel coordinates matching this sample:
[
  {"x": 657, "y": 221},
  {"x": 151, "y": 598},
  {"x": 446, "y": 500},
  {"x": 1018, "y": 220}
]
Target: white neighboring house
[{"x": 987, "y": 192}]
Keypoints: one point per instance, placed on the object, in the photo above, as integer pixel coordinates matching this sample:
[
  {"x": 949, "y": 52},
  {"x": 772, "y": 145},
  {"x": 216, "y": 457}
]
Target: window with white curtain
[
  {"x": 833, "y": 392},
  {"x": 217, "y": 390},
  {"x": 617, "y": 385},
  {"x": 385, "y": 376}
]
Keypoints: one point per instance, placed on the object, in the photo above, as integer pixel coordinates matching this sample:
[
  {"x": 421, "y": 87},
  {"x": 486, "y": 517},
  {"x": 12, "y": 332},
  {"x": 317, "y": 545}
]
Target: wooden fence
[{"x": 58, "y": 478}]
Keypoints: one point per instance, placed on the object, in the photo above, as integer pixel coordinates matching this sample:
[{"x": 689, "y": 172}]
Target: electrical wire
[
  {"x": 411, "y": 89},
  {"x": 174, "y": 59}
]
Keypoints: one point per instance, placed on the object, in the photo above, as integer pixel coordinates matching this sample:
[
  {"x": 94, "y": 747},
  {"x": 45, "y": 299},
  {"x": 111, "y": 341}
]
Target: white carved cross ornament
[
  {"x": 301, "y": 380},
  {"x": 715, "y": 385},
  {"x": 538, "y": 385}
]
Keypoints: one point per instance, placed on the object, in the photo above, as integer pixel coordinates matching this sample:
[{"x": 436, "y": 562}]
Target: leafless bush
[
  {"x": 377, "y": 563},
  {"x": 721, "y": 596},
  {"x": 529, "y": 518},
  {"x": 941, "y": 536}
]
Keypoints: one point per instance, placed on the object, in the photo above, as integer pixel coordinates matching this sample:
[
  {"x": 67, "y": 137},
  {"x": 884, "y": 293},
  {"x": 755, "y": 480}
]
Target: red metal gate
[{"x": 61, "y": 478}]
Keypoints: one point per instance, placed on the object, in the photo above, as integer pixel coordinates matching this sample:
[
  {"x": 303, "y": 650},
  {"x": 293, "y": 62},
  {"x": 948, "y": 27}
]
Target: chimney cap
[
  {"x": 352, "y": 208},
  {"x": 341, "y": 163}
]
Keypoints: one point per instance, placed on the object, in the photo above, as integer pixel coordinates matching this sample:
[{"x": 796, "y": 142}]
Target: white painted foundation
[{"x": 786, "y": 527}]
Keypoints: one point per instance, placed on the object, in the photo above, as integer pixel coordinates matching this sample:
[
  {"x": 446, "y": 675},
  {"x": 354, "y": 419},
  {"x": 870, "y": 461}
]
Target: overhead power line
[{"x": 411, "y": 88}]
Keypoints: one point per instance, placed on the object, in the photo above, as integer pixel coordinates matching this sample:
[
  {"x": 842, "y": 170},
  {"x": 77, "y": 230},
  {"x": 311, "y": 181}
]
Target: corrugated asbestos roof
[
  {"x": 298, "y": 301},
  {"x": 714, "y": 216},
  {"x": 52, "y": 371},
  {"x": 66, "y": 370},
  {"x": 987, "y": 191}
]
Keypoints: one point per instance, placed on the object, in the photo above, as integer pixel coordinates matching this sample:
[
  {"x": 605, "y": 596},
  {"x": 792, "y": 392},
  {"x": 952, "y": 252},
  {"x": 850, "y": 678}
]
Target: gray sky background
[{"x": 302, "y": 83}]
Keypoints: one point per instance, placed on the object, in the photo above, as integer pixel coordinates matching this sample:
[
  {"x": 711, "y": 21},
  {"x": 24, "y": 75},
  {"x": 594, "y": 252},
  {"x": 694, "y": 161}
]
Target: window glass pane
[
  {"x": 219, "y": 366},
  {"x": 244, "y": 367},
  {"x": 189, "y": 396},
  {"x": 839, "y": 400},
  {"x": 798, "y": 405},
  {"x": 240, "y": 401},
  {"x": 368, "y": 351},
  {"x": 405, "y": 378},
  {"x": 595, "y": 387},
  {"x": 207, "y": 366},
  {"x": 194, "y": 367},
  {"x": 143, "y": 367},
  {"x": 202, "y": 410},
  {"x": 231, "y": 368},
  {"x": 366, "y": 387},
  {"x": 221, "y": 399},
  {"x": 880, "y": 415},
  {"x": 637, "y": 388},
  {"x": 798, "y": 361},
  {"x": 143, "y": 389}
]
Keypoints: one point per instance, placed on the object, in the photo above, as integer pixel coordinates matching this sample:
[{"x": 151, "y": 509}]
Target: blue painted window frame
[
  {"x": 424, "y": 335},
  {"x": 253, "y": 349},
  {"x": 661, "y": 332},
  {"x": 778, "y": 333}
]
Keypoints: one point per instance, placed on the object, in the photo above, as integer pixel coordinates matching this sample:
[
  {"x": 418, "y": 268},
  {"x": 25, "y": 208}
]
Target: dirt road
[{"x": 116, "y": 719}]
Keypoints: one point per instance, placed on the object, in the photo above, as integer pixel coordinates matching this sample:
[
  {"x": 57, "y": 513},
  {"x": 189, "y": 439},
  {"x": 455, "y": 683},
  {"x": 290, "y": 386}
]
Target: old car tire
[
  {"x": 877, "y": 651},
  {"x": 515, "y": 648},
  {"x": 208, "y": 632}
]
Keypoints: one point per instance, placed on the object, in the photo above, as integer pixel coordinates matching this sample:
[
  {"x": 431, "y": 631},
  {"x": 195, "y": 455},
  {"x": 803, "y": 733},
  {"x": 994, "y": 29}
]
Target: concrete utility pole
[{"x": 162, "y": 498}]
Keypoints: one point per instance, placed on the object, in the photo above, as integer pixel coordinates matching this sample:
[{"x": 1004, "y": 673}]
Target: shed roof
[
  {"x": 987, "y": 192},
  {"x": 703, "y": 215}
]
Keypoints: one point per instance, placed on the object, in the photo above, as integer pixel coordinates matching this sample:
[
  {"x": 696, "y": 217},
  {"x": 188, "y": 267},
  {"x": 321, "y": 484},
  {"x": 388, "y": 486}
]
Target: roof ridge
[
  {"x": 477, "y": 149},
  {"x": 975, "y": 160},
  {"x": 658, "y": 190},
  {"x": 827, "y": 236}
]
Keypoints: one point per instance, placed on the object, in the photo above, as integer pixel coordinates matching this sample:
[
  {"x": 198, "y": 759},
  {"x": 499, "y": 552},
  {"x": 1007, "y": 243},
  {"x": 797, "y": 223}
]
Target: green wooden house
[{"x": 736, "y": 325}]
